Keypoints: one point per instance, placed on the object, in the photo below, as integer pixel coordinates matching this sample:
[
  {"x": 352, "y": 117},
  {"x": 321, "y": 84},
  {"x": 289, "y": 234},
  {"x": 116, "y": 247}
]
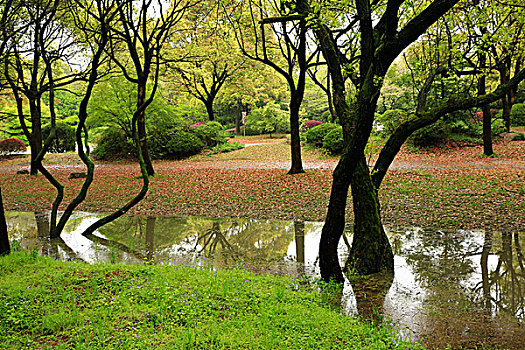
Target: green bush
[
  {"x": 431, "y": 135},
  {"x": 11, "y": 146},
  {"x": 65, "y": 139},
  {"x": 517, "y": 114},
  {"x": 497, "y": 126},
  {"x": 390, "y": 120},
  {"x": 183, "y": 144},
  {"x": 113, "y": 144},
  {"x": 211, "y": 134},
  {"x": 519, "y": 137},
  {"x": 333, "y": 141},
  {"x": 315, "y": 135}
]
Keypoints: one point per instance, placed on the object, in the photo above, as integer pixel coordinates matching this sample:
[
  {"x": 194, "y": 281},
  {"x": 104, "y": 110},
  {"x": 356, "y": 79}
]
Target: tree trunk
[
  {"x": 36, "y": 135},
  {"x": 238, "y": 117},
  {"x": 334, "y": 227},
  {"x": 141, "y": 128},
  {"x": 209, "y": 110},
  {"x": 506, "y": 111},
  {"x": 4, "y": 239},
  {"x": 487, "y": 117},
  {"x": 299, "y": 245},
  {"x": 371, "y": 251},
  {"x": 297, "y": 163}
]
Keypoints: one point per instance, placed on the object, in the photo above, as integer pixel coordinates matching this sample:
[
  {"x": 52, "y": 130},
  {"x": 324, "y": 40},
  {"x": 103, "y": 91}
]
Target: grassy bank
[{"x": 46, "y": 303}]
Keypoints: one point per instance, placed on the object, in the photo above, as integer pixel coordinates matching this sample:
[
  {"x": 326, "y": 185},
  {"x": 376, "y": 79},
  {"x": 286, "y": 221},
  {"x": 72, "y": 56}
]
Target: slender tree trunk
[
  {"x": 371, "y": 251},
  {"x": 487, "y": 117},
  {"x": 209, "y": 110},
  {"x": 297, "y": 163},
  {"x": 4, "y": 239},
  {"x": 141, "y": 128},
  {"x": 506, "y": 111},
  {"x": 36, "y": 135},
  {"x": 238, "y": 118}
]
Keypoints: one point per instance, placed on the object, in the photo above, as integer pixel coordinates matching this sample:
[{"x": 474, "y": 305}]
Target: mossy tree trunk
[
  {"x": 141, "y": 125},
  {"x": 371, "y": 251}
]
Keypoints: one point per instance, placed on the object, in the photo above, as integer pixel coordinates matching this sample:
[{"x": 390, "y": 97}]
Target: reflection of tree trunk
[
  {"x": 487, "y": 245},
  {"x": 299, "y": 245},
  {"x": 371, "y": 251},
  {"x": 150, "y": 235},
  {"x": 519, "y": 253},
  {"x": 370, "y": 295},
  {"x": 42, "y": 224},
  {"x": 4, "y": 239},
  {"x": 506, "y": 256}
]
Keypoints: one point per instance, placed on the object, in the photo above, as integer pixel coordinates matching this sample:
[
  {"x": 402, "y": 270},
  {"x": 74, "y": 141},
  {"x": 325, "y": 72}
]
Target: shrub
[
  {"x": 497, "y": 126},
  {"x": 333, "y": 141},
  {"x": 517, "y": 114},
  {"x": 65, "y": 139},
  {"x": 390, "y": 120},
  {"x": 183, "y": 144},
  {"x": 309, "y": 124},
  {"x": 430, "y": 135},
  {"x": 9, "y": 146},
  {"x": 113, "y": 144},
  {"x": 211, "y": 134},
  {"x": 519, "y": 137},
  {"x": 315, "y": 135}
]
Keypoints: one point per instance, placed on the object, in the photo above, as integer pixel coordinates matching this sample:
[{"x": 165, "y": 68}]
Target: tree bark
[
  {"x": 141, "y": 128},
  {"x": 209, "y": 110},
  {"x": 371, "y": 251},
  {"x": 334, "y": 227},
  {"x": 297, "y": 163},
  {"x": 4, "y": 238},
  {"x": 36, "y": 135}
]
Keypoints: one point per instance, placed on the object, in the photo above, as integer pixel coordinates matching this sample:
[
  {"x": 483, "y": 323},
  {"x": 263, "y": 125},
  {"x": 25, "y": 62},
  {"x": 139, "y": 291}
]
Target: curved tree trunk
[
  {"x": 334, "y": 227},
  {"x": 141, "y": 128}
]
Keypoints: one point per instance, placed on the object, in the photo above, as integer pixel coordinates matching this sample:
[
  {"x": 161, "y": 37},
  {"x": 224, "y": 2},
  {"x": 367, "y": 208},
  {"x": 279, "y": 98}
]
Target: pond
[{"x": 461, "y": 288}]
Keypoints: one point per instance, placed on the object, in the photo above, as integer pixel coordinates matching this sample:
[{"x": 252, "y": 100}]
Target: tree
[
  {"x": 385, "y": 30},
  {"x": 36, "y": 40},
  {"x": 212, "y": 59},
  {"x": 142, "y": 31},
  {"x": 287, "y": 36}
]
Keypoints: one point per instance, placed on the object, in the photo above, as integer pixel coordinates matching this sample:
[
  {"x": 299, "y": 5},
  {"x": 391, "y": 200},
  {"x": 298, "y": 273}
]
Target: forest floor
[{"x": 446, "y": 187}]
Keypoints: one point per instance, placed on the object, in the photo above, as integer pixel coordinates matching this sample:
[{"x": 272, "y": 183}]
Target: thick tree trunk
[
  {"x": 4, "y": 239},
  {"x": 297, "y": 163},
  {"x": 371, "y": 251},
  {"x": 141, "y": 128},
  {"x": 209, "y": 110},
  {"x": 334, "y": 227},
  {"x": 36, "y": 135}
]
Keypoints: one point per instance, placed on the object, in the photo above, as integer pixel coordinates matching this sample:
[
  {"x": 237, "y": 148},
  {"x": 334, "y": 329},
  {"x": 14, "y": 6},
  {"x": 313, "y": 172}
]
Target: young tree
[
  {"x": 287, "y": 38},
  {"x": 36, "y": 40},
  {"x": 137, "y": 44}
]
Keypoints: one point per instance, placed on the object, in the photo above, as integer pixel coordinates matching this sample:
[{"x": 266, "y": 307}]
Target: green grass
[{"x": 47, "y": 304}]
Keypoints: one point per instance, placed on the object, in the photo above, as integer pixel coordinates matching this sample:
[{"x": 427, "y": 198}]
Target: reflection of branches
[{"x": 212, "y": 238}]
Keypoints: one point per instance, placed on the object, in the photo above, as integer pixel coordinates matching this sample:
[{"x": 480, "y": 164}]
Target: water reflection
[{"x": 463, "y": 288}]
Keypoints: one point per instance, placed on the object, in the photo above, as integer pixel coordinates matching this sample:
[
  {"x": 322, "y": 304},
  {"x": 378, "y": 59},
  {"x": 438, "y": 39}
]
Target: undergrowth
[{"x": 47, "y": 304}]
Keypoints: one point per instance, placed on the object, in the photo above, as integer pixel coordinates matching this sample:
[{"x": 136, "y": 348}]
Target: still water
[{"x": 461, "y": 288}]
